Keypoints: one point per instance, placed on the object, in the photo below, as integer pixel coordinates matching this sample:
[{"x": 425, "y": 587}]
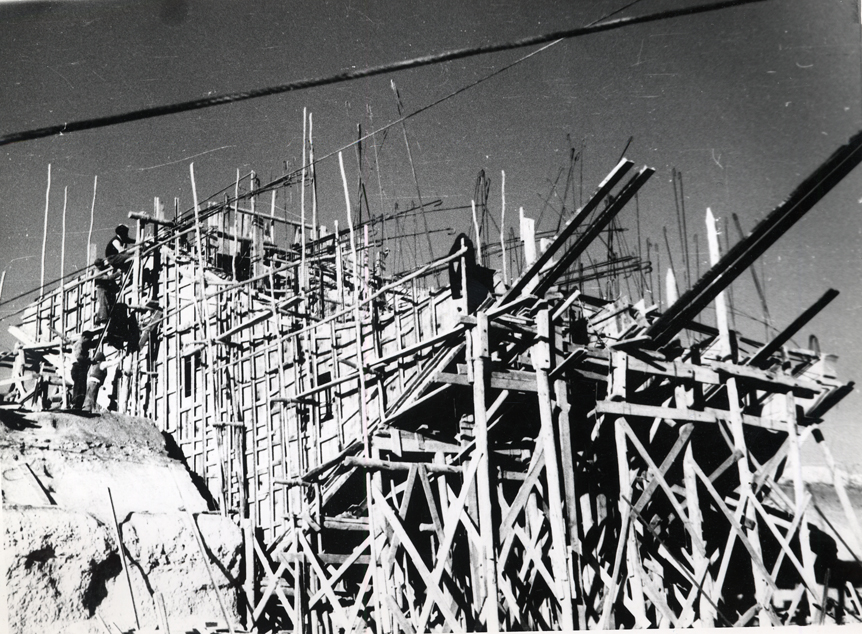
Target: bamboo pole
[
  {"x": 92, "y": 217},
  {"x": 503, "y": 226},
  {"x": 378, "y": 587},
  {"x": 314, "y": 227},
  {"x": 415, "y": 181},
  {"x": 478, "y": 237},
  {"x": 63, "y": 392},
  {"x": 45, "y": 237},
  {"x": 303, "y": 278},
  {"x": 205, "y": 316}
]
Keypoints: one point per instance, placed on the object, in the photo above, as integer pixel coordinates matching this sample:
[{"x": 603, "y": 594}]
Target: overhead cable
[{"x": 371, "y": 71}]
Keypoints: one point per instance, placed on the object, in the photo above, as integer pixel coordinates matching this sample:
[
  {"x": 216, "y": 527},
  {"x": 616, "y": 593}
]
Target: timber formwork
[{"x": 477, "y": 454}]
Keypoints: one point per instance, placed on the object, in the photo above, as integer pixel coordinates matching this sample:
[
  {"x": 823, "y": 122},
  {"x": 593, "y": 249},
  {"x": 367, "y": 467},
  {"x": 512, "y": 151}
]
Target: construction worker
[
  {"x": 150, "y": 323},
  {"x": 95, "y": 377},
  {"x": 106, "y": 291},
  {"x": 81, "y": 354},
  {"x": 118, "y": 252}
]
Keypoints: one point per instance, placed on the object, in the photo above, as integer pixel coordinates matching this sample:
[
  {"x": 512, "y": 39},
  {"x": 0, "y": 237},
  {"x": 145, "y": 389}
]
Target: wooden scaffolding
[{"x": 475, "y": 455}]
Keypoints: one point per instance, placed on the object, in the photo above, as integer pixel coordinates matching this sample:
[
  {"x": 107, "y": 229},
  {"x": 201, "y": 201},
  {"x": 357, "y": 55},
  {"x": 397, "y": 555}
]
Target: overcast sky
[{"x": 745, "y": 102}]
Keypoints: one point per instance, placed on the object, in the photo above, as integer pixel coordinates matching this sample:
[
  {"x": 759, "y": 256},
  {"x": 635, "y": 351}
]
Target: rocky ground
[{"x": 61, "y": 562}]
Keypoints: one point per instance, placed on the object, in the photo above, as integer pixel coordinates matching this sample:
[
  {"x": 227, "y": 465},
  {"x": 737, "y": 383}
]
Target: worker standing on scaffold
[
  {"x": 105, "y": 285},
  {"x": 118, "y": 252}
]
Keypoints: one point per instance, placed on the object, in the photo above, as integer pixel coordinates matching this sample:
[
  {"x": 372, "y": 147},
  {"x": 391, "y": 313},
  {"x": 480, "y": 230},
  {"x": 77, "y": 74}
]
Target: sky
[{"x": 745, "y": 102}]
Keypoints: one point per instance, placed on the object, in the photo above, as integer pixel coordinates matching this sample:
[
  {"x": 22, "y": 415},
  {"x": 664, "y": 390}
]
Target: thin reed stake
[
  {"x": 503, "y": 226},
  {"x": 92, "y": 216},
  {"x": 45, "y": 235},
  {"x": 302, "y": 277},
  {"x": 476, "y": 227},
  {"x": 63, "y": 394}
]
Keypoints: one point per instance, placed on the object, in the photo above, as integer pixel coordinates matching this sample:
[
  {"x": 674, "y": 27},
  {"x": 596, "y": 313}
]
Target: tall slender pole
[
  {"x": 684, "y": 231},
  {"x": 314, "y": 226},
  {"x": 236, "y": 225},
  {"x": 45, "y": 235},
  {"x": 205, "y": 317},
  {"x": 723, "y": 349},
  {"x": 415, "y": 180},
  {"x": 92, "y": 216},
  {"x": 503, "y": 225},
  {"x": 358, "y": 146},
  {"x": 63, "y": 394},
  {"x": 720, "y": 301},
  {"x": 379, "y": 183},
  {"x": 302, "y": 201},
  {"x": 63, "y": 238},
  {"x": 476, "y": 227},
  {"x": 670, "y": 259},
  {"x": 360, "y": 362}
]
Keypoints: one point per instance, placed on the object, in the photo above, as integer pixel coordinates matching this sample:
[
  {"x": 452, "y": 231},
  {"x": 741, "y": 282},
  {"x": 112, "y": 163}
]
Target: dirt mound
[{"x": 61, "y": 558}]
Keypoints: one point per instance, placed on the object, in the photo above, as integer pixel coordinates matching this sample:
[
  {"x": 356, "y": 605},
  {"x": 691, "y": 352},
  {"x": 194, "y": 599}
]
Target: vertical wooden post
[
  {"x": 541, "y": 356},
  {"x": 488, "y": 530},
  {"x": 798, "y": 486},
  {"x": 248, "y": 555},
  {"x": 720, "y": 301},
  {"x": 567, "y": 466},
  {"x": 723, "y": 350},
  {"x": 610, "y": 597},
  {"x": 633, "y": 565}
]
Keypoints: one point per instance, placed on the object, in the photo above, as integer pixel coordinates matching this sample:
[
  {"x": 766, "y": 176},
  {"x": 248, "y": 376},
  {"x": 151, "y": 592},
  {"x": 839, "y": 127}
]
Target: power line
[{"x": 302, "y": 84}]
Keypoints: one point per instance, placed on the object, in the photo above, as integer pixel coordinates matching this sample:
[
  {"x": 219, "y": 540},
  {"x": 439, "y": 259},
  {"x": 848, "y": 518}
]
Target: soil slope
[{"x": 61, "y": 562}]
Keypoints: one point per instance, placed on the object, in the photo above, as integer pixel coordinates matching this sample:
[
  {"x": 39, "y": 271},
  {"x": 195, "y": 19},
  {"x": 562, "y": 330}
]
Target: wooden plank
[
  {"x": 709, "y": 415},
  {"x": 771, "y": 381},
  {"x": 498, "y": 381}
]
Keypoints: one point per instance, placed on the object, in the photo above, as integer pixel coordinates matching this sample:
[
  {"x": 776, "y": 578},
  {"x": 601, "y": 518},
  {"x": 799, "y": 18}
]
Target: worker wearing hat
[{"x": 118, "y": 253}]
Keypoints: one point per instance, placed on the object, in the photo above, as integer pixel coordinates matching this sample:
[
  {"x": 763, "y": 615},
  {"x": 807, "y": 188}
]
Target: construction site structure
[{"x": 450, "y": 449}]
